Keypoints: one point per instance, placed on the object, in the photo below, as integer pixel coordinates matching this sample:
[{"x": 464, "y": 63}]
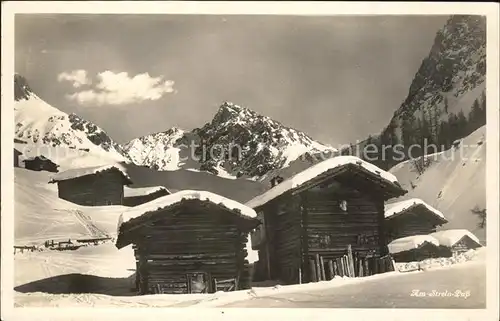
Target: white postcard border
[{"x": 275, "y": 8}]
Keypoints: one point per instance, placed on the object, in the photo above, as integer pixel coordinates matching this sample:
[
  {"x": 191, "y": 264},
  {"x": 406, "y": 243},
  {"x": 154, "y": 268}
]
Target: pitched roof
[
  {"x": 451, "y": 237},
  {"x": 411, "y": 242},
  {"x": 84, "y": 171},
  {"x": 324, "y": 168},
  {"x": 154, "y": 207},
  {"x": 142, "y": 191},
  {"x": 400, "y": 208},
  {"x": 39, "y": 158}
]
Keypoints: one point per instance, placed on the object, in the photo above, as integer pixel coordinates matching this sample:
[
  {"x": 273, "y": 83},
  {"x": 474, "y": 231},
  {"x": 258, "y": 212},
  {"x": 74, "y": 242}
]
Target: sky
[{"x": 337, "y": 78}]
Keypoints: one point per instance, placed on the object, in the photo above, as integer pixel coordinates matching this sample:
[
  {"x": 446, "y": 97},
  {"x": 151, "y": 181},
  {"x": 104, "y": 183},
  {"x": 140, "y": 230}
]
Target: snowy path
[{"x": 390, "y": 293}]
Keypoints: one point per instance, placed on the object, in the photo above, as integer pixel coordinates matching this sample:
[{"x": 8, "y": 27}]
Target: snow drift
[
  {"x": 454, "y": 183},
  {"x": 410, "y": 242}
]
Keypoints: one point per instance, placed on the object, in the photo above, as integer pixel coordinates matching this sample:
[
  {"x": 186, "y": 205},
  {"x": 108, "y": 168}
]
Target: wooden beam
[
  {"x": 330, "y": 269},
  {"x": 322, "y": 267},
  {"x": 318, "y": 267},
  {"x": 350, "y": 260},
  {"x": 304, "y": 239},
  {"x": 312, "y": 268}
]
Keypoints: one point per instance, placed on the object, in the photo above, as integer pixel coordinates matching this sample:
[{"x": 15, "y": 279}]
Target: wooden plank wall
[
  {"x": 285, "y": 230},
  {"x": 408, "y": 225},
  {"x": 311, "y": 238},
  {"x": 330, "y": 230},
  {"x": 105, "y": 188},
  {"x": 39, "y": 165},
  {"x": 194, "y": 241},
  {"x": 465, "y": 244},
  {"x": 16, "y": 158}
]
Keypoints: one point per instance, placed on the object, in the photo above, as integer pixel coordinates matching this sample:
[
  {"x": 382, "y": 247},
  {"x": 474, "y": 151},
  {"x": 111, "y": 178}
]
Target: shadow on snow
[{"x": 76, "y": 283}]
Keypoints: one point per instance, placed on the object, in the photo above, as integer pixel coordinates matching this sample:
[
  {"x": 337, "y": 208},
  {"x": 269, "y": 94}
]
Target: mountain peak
[
  {"x": 229, "y": 111},
  {"x": 230, "y": 105},
  {"x": 174, "y": 130},
  {"x": 21, "y": 89}
]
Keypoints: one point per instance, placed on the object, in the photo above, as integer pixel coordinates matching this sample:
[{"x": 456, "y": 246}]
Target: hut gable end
[
  {"x": 319, "y": 223},
  {"x": 411, "y": 217},
  {"x": 102, "y": 188},
  {"x": 179, "y": 239},
  {"x": 40, "y": 163}
]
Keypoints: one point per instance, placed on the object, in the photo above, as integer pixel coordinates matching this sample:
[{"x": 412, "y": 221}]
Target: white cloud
[
  {"x": 118, "y": 88},
  {"x": 77, "y": 77}
]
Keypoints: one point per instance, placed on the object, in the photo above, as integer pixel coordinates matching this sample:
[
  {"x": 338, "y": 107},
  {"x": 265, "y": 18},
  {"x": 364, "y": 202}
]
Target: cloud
[
  {"x": 118, "y": 89},
  {"x": 77, "y": 77}
]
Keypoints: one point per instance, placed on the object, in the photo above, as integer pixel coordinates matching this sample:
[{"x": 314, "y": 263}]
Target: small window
[
  {"x": 343, "y": 205},
  {"x": 198, "y": 282}
]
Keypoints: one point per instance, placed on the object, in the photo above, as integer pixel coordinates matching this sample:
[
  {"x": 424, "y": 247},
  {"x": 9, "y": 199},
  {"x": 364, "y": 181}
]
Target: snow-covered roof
[
  {"x": 410, "y": 242},
  {"x": 142, "y": 191},
  {"x": 451, "y": 237},
  {"x": 315, "y": 171},
  {"x": 395, "y": 209},
  {"x": 84, "y": 171},
  {"x": 176, "y": 198}
]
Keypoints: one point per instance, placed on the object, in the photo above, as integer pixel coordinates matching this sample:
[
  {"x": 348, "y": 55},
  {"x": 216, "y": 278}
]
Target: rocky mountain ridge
[{"x": 238, "y": 142}]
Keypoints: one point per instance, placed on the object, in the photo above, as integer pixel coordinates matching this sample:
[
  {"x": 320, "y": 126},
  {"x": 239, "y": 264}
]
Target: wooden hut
[
  {"x": 411, "y": 217},
  {"x": 188, "y": 242},
  {"x": 414, "y": 248},
  {"x": 17, "y": 153},
  {"x": 137, "y": 196},
  {"x": 40, "y": 163},
  {"x": 312, "y": 220},
  {"x": 276, "y": 180},
  {"x": 457, "y": 241},
  {"x": 92, "y": 186}
]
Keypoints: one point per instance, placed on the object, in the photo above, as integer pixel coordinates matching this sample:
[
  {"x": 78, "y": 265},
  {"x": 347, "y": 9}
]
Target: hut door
[{"x": 198, "y": 282}]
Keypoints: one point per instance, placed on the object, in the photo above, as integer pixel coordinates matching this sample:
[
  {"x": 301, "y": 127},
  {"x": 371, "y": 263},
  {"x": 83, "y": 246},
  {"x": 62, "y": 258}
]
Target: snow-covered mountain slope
[
  {"x": 238, "y": 142},
  {"x": 159, "y": 150},
  {"x": 454, "y": 183},
  {"x": 39, "y": 214},
  {"x": 443, "y": 92},
  {"x": 455, "y": 69},
  {"x": 42, "y": 125},
  {"x": 447, "y": 83}
]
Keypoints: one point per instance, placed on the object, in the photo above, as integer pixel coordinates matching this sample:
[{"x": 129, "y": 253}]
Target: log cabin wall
[
  {"x": 311, "y": 224},
  {"x": 330, "y": 228},
  {"x": 192, "y": 241},
  {"x": 338, "y": 228},
  {"x": 283, "y": 225},
  {"x": 103, "y": 188},
  {"x": 16, "y": 157},
  {"x": 408, "y": 225},
  {"x": 465, "y": 244},
  {"x": 262, "y": 266},
  {"x": 38, "y": 164}
]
